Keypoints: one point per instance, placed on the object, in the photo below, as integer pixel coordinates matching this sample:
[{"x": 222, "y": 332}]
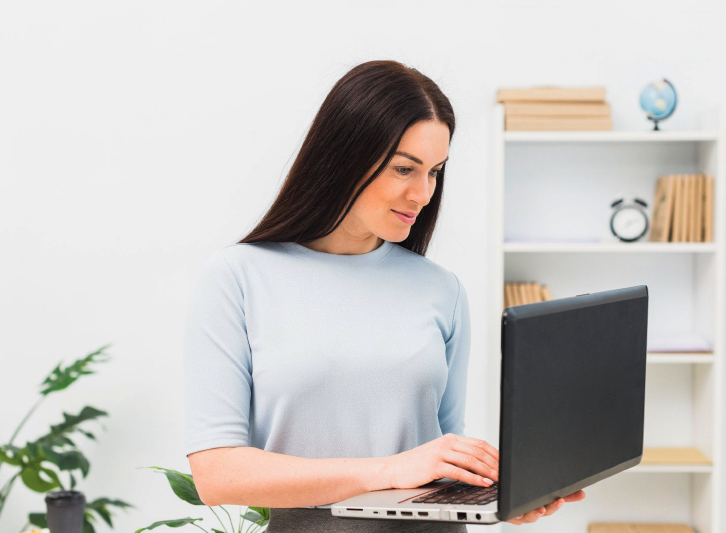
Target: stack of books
[
  {"x": 555, "y": 108},
  {"x": 683, "y": 209},
  {"x": 525, "y": 293}
]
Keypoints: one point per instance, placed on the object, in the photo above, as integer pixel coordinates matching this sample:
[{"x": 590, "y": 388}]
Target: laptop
[{"x": 571, "y": 412}]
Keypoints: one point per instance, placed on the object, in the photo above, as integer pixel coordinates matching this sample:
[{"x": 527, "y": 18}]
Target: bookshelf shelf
[
  {"x": 635, "y": 247},
  {"x": 610, "y": 136},
  {"x": 674, "y": 456},
  {"x": 550, "y": 206},
  {"x": 679, "y": 358},
  {"x": 674, "y": 460}
]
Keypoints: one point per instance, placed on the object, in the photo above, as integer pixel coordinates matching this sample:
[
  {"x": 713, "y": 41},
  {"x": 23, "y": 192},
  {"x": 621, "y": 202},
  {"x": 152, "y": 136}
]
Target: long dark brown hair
[{"x": 363, "y": 118}]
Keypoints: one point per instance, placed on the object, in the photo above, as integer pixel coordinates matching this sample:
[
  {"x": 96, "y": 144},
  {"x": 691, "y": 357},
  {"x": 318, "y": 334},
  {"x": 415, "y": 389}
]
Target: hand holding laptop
[
  {"x": 546, "y": 510},
  {"x": 473, "y": 461}
]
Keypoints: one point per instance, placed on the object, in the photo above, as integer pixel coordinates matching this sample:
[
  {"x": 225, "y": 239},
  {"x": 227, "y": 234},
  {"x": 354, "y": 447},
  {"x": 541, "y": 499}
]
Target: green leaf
[
  {"x": 11, "y": 454},
  {"x": 252, "y": 516},
  {"x": 218, "y": 531},
  {"x": 62, "y": 439},
  {"x": 38, "y": 519},
  {"x": 71, "y": 422},
  {"x": 87, "y": 433},
  {"x": 58, "y": 435},
  {"x": 182, "y": 485},
  {"x": 70, "y": 460},
  {"x": 73, "y": 481},
  {"x": 87, "y": 525},
  {"x": 105, "y": 501},
  {"x": 31, "y": 476},
  {"x": 61, "y": 378},
  {"x": 264, "y": 511},
  {"x": 43, "y": 448},
  {"x": 179, "y": 522},
  {"x": 100, "y": 506}
]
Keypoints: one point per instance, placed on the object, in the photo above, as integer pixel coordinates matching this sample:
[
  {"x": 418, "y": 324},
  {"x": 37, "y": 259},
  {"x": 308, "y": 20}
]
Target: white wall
[{"x": 138, "y": 137}]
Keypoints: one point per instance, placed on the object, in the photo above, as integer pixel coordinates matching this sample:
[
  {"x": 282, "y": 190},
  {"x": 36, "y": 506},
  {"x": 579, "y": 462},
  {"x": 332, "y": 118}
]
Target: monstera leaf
[{"x": 61, "y": 378}]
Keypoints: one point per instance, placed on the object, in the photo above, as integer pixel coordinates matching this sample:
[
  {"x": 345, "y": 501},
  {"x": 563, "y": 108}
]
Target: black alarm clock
[{"x": 629, "y": 221}]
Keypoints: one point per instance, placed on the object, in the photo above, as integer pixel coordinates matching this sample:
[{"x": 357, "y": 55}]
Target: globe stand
[{"x": 655, "y": 121}]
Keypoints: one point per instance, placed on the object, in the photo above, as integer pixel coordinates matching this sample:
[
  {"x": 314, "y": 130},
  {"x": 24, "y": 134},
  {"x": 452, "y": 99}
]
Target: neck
[{"x": 345, "y": 245}]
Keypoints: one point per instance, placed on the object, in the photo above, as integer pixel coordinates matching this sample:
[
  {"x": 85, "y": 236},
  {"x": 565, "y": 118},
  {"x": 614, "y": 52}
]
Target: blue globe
[{"x": 658, "y": 100}]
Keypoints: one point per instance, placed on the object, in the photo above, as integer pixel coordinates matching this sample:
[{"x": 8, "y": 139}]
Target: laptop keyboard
[{"x": 461, "y": 492}]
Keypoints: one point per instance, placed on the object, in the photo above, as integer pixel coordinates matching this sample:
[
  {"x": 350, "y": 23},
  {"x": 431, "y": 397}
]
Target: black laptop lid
[{"x": 572, "y": 395}]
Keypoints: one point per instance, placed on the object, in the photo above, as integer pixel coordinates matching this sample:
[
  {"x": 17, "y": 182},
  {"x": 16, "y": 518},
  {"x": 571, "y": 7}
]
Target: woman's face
[{"x": 405, "y": 185}]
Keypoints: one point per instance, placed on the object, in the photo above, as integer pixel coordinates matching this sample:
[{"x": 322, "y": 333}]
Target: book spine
[
  {"x": 656, "y": 227},
  {"x": 692, "y": 207},
  {"x": 549, "y": 94},
  {"x": 708, "y": 219},
  {"x": 670, "y": 202},
  {"x": 698, "y": 232},
  {"x": 678, "y": 207},
  {"x": 556, "y": 109},
  {"x": 528, "y": 123}
]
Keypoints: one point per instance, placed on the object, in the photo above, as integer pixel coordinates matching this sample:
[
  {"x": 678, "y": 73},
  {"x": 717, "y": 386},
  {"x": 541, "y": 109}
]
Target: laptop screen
[{"x": 572, "y": 394}]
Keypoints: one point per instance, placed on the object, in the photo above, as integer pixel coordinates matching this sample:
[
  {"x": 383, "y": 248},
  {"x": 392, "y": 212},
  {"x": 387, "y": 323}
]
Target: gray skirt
[{"x": 294, "y": 520}]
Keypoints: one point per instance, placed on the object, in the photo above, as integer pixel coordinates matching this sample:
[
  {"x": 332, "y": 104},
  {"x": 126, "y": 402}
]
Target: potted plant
[{"x": 40, "y": 463}]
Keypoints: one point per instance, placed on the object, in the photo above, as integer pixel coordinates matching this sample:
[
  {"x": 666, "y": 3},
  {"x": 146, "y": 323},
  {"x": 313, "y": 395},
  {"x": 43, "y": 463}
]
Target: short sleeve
[
  {"x": 217, "y": 361},
  {"x": 453, "y": 402}
]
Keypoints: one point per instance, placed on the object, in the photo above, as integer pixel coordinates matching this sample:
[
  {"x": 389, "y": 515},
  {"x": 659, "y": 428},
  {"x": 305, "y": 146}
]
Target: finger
[
  {"x": 453, "y": 472},
  {"x": 575, "y": 496},
  {"x": 552, "y": 507},
  {"x": 471, "y": 463},
  {"x": 491, "y": 450},
  {"x": 533, "y": 515},
  {"x": 477, "y": 452}
]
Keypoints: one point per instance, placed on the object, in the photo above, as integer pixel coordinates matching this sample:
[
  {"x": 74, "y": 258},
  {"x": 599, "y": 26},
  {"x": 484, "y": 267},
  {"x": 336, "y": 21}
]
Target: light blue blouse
[{"x": 322, "y": 355}]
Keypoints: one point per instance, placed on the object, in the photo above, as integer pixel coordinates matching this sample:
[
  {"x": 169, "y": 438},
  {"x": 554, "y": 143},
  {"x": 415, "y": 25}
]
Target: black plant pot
[{"x": 64, "y": 511}]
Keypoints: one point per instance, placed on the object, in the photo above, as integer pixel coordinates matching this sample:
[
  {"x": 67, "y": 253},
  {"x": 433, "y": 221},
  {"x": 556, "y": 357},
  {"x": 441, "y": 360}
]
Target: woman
[{"x": 325, "y": 355}]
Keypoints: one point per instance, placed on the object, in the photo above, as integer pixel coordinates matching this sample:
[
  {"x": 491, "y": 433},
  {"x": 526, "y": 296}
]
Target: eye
[{"x": 435, "y": 172}]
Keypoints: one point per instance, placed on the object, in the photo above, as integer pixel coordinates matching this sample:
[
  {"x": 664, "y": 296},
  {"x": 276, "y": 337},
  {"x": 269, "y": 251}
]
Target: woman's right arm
[
  {"x": 249, "y": 476},
  {"x": 252, "y": 477}
]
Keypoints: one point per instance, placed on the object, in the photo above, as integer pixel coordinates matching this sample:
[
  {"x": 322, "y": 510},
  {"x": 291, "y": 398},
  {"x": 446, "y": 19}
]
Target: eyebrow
[{"x": 417, "y": 160}]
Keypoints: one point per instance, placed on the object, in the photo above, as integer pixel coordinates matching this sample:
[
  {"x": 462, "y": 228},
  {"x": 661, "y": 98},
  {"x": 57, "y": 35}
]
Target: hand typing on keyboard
[
  {"x": 474, "y": 462},
  {"x": 466, "y": 459}
]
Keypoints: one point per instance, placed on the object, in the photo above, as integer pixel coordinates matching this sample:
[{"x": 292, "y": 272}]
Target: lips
[
  {"x": 404, "y": 218},
  {"x": 407, "y": 213}
]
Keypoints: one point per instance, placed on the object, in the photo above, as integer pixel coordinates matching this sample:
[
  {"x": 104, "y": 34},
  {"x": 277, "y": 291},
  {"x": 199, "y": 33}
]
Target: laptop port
[
  {"x": 461, "y": 516},
  {"x": 406, "y": 513},
  {"x": 423, "y": 513},
  {"x": 478, "y": 516},
  {"x": 391, "y": 513},
  {"x": 353, "y": 509}
]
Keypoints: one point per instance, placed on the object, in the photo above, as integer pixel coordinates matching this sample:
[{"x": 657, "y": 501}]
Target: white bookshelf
[{"x": 550, "y": 217}]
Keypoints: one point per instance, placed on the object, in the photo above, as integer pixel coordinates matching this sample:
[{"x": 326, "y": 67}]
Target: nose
[{"x": 420, "y": 190}]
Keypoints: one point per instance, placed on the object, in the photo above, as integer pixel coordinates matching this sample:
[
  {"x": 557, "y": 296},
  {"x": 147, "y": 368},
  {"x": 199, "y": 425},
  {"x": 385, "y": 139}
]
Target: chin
[{"x": 395, "y": 236}]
